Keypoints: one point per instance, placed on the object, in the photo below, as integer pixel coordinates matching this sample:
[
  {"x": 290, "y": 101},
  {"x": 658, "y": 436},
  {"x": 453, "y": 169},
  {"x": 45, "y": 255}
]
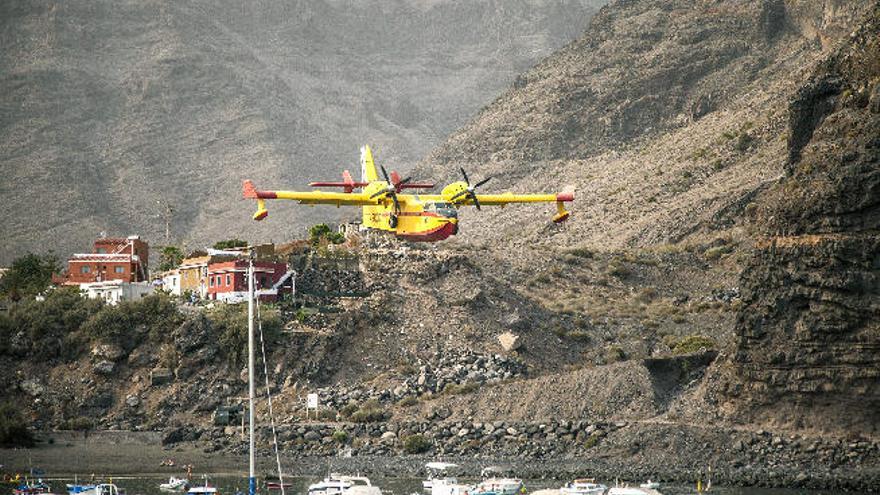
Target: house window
[
  {"x": 119, "y": 269},
  {"x": 101, "y": 250},
  {"x": 211, "y": 279},
  {"x": 84, "y": 269},
  {"x": 228, "y": 279}
]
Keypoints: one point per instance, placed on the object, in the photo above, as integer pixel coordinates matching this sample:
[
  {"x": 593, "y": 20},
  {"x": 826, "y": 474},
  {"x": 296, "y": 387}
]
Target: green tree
[
  {"x": 230, "y": 243},
  {"x": 321, "y": 234},
  {"x": 170, "y": 258},
  {"x": 29, "y": 275}
]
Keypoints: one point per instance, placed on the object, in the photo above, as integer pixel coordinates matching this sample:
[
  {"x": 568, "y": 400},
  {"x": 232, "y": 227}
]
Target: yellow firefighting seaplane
[{"x": 413, "y": 217}]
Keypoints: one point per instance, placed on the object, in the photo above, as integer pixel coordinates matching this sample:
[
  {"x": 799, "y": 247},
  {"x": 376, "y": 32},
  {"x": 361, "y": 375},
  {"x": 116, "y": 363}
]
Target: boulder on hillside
[
  {"x": 160, "y": 376},
  {"x": 32, "y": 387},
  {"x": 103, "y": 367},
  {"x": 509, "y": 341},
  {"x": 108, "y": 352}
]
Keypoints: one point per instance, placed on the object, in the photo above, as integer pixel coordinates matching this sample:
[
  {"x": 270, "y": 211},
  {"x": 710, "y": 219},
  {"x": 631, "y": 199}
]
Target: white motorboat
[
  {"x": 175, "y": 484},
  {"x": 437, "y": 471},
  {"x": 449, "y": 486},
  {"x": 650, "y": 484},
  {"x": 337, "y": 484},
  {"x": 99, "y": 489},
  {"x": 627, "y": 490},
  {"x": 494, "y": 484},
  {"x": 205, "y": 489},
  {"x": 583, "y": 486}
]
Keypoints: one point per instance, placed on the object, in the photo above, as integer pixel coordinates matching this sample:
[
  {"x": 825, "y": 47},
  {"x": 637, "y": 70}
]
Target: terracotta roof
[{"x": 194, "y": 262}]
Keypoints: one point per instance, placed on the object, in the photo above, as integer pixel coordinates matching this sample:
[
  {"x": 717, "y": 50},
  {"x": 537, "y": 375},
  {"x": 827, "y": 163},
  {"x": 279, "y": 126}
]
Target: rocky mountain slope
[{"x": 113, "y": 110}]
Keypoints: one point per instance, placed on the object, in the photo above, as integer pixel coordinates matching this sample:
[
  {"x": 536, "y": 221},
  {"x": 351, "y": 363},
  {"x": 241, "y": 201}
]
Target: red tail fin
[{"x": 248, "y": 190}]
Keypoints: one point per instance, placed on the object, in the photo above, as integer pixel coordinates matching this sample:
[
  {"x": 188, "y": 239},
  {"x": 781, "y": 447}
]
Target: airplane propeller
[
  {"x": 470, "y": 191},
  {"x": 391, "y": 190}
]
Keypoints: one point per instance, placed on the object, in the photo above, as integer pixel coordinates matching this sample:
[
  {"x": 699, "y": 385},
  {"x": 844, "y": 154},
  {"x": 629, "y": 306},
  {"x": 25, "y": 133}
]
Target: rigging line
[{"x": 269, "y": 397}]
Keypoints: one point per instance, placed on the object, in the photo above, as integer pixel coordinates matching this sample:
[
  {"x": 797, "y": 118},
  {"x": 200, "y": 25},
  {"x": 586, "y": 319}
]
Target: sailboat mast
[{"x": 252, "y": 481}]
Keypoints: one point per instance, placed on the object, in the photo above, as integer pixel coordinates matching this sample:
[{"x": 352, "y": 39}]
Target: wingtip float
[{"x": 414, "y": 217}]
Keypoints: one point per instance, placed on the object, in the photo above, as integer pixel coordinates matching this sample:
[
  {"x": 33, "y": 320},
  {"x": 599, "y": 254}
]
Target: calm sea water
[{"x": 398, "y": 486}]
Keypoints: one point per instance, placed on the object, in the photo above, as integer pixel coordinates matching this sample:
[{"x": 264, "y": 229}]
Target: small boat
[
  {"x": 437, "y": 470},
  {"x": 205, "y": 489},
  {"x": 626, "y": 490},
  {"x": 76, "y": 488},
  {"x": 337, "y": 484},
  {"x": 175, "y": 484},
  {"x": 650, "y": 484},
  {"x": 583, "y": 486},
  {"x": 494, "y": 484},
  {"x": 95, "y": 489},
  {"x": 32, "y": 488}
]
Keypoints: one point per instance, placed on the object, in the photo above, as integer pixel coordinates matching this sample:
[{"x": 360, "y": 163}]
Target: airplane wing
[
  {"x": 249, "y": 191},
  {"x": 507, "y": 198}
]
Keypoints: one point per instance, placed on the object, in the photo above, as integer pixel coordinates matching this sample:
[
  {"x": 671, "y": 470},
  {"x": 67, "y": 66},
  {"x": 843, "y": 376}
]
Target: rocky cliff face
[{"x": 808, "y": 352}]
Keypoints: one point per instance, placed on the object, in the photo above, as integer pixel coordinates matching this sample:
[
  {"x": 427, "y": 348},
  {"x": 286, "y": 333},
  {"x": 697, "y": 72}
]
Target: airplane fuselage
[{"x": 418, "y": 220}]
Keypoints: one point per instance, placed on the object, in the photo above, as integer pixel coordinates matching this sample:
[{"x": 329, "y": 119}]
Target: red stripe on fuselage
[
  {"x": 415, "y": 214},
  {"x": 438, "y": 234}
]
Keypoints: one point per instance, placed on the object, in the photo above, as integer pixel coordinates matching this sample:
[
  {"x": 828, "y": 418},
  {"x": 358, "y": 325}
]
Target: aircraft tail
[{"x": 368, "y": 168}]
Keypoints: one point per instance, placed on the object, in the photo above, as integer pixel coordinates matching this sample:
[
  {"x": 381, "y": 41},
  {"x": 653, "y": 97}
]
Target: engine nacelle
[{"x": 454, "y": 188}]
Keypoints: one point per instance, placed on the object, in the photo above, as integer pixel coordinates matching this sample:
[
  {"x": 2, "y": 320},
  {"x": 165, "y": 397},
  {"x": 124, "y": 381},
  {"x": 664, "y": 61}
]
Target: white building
[
  {"x": 113, "y": 291},
  {"x": 171, "y": 282}
]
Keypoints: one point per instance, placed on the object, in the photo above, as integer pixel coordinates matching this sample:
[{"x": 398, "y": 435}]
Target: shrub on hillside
[
  {"x": 322, "y": 235},
  {"x": 13, "y": 428},
  {"x": 460, "y": 389},
  {"x": 370, "y": 411},
  {"x": 230, "y": 322},
  {"x": 693, "y": 343},
  {"x": 129, "y": 322},
  {"x": 230, "y": 244},
  {"x": 408, "y": 401},
  {"x": 348, "y": 409},
  {"x": 416, "y": 444},
  {"x": 340, "y": 436},
  {"x": 49, "y": 328},
  {"x": 81, "y": 423},
  {"x": 614, "y": 354}
]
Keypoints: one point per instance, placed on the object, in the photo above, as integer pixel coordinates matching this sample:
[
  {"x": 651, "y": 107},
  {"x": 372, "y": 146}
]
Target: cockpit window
[{"x": 442, "y": 208}]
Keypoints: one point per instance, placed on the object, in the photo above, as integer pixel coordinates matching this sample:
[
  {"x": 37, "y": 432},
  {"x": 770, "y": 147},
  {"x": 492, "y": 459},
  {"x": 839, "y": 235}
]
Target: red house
[
  {"x": 227, "y": 280},
  {"x": 123, "y": 259}
]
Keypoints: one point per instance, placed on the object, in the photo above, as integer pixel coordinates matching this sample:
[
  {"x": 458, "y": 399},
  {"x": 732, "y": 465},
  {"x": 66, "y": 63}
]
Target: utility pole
[{"x": 167, "y": 213}]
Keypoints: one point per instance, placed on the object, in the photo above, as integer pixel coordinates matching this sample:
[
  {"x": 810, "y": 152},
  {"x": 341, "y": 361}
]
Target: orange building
[{"x": 124, "y": 259}]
